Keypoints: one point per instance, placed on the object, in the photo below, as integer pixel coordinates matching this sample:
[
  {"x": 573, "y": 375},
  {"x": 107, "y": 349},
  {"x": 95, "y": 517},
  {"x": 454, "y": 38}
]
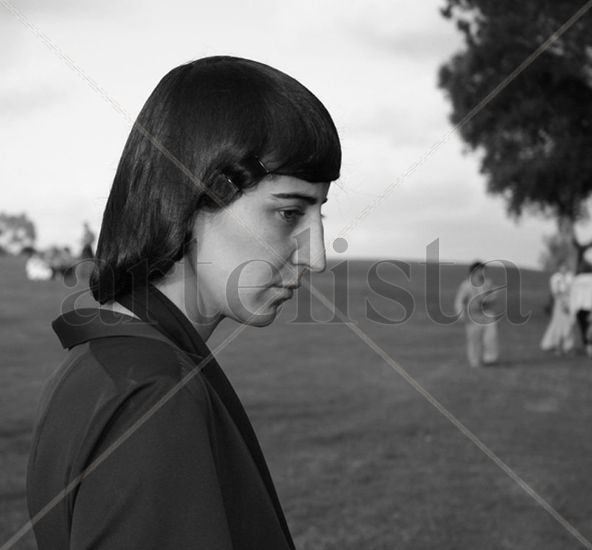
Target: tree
[
  {"x": 558, "y": 250},
  {"x": 17, "y": 233},
  {"x": 535, "y": 137}
]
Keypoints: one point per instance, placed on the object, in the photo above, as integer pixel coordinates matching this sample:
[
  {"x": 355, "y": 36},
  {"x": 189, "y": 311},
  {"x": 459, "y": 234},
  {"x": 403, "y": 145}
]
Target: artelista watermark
[
  {"x": 393, "y": 291},
  {"x": 382, "y": 291}
]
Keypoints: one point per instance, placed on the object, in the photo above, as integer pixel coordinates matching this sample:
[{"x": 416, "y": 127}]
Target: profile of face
[
  {"x": 478, "y": 276},
  {"x": 249, "y": 257}
]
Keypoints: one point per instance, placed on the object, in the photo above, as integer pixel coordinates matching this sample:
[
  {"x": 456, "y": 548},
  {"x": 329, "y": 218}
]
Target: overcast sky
[{"x": 373, "y": 63}]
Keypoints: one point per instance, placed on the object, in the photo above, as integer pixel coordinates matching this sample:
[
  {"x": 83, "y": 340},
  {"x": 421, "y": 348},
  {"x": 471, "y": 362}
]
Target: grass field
[{"x": 361, "y": 460}]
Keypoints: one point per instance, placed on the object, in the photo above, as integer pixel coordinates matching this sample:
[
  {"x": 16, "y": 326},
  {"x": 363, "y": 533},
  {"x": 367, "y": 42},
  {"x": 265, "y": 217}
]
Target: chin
[
  {"x": 260, "y": 320},
  {"x": 245, "y": 316}
]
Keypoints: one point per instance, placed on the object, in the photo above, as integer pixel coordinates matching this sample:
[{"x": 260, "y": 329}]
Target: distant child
[{"x": 474, "y": 304}]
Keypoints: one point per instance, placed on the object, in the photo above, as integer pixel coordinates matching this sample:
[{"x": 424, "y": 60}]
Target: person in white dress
[
  {"x": 559, "y": 336},
  {"x": 580, "y": 304}
]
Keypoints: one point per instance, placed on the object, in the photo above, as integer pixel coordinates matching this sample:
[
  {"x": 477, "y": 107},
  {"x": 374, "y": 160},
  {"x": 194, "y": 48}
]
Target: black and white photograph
[{"x": 296, "y": 276}]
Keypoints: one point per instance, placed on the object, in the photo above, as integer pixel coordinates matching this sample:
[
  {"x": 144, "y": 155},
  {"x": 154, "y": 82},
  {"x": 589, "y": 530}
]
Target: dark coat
[{"x": 141, "y": 449}]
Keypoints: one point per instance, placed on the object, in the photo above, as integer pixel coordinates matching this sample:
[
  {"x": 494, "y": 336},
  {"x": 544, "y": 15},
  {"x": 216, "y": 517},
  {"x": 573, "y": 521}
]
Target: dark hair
[
  {"x": 210, "y": 129},
  {"x": 476, "y": 265}
]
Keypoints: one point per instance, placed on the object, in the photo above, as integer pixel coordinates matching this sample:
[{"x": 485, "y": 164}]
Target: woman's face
[
  {"x": 478, "y": 276},
  {"x": 250, "y": 256}
]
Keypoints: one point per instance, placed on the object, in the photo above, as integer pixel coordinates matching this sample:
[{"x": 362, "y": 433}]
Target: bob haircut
[{"x": 210, "y": 129}]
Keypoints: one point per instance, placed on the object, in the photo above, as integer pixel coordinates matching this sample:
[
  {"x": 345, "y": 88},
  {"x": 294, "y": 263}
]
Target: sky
[{"x": 75, "y": 73}]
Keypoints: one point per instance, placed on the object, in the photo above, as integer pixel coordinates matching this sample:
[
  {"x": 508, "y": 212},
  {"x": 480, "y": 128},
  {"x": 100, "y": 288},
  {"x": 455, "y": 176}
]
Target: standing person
[
  {"x": 87, "y": 242},
  {"x": 559, "y": 334},
  {"x": 222, "y": 175},
  {"x": 37, "y": 268},
  {"x": 580, "y": 301},
  {"x": 474, "y": 304}
]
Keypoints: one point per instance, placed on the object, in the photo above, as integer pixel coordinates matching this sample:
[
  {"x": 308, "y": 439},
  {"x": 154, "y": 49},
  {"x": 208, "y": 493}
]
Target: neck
[
  {"x": 118, "y": 308},
  {"x": 182, "y": 290}
]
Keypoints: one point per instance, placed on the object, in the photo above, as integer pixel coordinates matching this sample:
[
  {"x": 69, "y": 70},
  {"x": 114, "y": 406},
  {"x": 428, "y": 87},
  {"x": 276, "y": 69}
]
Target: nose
[{"x": 310, "y": 248}]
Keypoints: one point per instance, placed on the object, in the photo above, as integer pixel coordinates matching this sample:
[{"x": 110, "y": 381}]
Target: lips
[
  {"x": 284, "y": 292},
  {"x": 291, "y": 285}
]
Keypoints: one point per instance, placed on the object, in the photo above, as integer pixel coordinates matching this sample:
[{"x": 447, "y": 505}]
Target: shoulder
[
  {"x": 111, "y": 357},
  {"x": 109, "y": 386},
  {"x": 132, "y": 365},
  {"x": 104, "y": 375},
  {"x": 465, "y": 287},
  {"x": 136, "y": 358}
]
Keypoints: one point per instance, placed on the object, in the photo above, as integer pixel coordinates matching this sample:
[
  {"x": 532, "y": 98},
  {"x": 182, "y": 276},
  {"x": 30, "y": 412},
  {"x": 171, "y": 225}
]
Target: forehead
[{"x": 289, "y": 185}]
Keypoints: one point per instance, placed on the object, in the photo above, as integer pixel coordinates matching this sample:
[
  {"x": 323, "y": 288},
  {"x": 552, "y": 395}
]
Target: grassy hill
[{"x": 361, "y": 459}]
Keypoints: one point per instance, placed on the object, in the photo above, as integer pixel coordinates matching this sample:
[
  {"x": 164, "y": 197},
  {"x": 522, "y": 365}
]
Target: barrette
[{"x": 260, "y": 163}]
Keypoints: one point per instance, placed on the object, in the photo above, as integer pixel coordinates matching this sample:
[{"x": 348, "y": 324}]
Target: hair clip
[{"x": 263, "y": 167}]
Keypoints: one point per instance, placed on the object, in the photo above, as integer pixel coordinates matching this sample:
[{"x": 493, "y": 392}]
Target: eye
[{"x": 291, "y": 215}]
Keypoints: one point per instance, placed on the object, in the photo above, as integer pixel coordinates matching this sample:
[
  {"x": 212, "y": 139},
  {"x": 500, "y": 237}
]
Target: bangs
[
  {"x": 306, "y": 149},
  {"x": 249, "y": 109},
  {"x": 300, "y": 137}
]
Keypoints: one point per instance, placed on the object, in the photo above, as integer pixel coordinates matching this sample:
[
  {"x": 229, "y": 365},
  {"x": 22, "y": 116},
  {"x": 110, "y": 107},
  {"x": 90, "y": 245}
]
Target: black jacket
[{"x": 143, "y": 444}]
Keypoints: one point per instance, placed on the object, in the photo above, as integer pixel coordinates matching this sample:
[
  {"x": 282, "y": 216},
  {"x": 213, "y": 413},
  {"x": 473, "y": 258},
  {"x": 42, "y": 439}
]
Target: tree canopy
[
  {"x": 17, "y": 232},
  {"x": 535, "y": 136}
]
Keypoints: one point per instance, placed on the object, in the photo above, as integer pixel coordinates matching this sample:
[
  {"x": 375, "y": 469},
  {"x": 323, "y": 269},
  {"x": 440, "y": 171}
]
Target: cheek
[
  {"x": 251, "y": 253},
  {"x": 236, "y": 275},
  {"x": 253, "y": 276},
  {"x": 258, "y": 255},
  {"x": 250, "y": 294}
]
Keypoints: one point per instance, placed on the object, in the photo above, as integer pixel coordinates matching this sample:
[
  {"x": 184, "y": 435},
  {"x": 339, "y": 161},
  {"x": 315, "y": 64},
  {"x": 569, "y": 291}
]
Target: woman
[
  {"x": 559, "y": 334},
  {"x": 215, "y": 212},
  {"x": 580, "y": 304}
]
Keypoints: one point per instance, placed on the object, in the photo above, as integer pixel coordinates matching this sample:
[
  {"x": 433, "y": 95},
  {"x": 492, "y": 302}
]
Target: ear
[{"x": 198, "y": 227}]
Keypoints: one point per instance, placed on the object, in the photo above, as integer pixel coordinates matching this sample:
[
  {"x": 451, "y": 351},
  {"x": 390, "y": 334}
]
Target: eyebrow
[{"x": 299, "y": 196}]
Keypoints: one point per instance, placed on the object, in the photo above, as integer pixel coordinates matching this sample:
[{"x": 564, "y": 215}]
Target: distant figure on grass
[
  {"x": 559, "y": 335},
  {"x": 37, "y": 268},
  {"x": 87, "y": 241},
  {"x": 580, "y": 301},
  {"x": 61, "y": 262},
  {"x": 474, "y": 305}
]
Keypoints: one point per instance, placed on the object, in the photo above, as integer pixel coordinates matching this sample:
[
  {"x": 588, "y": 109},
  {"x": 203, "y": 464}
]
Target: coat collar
[
  {"x": 82, "y": 325},
  {"x": 160, "y": 319}
]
